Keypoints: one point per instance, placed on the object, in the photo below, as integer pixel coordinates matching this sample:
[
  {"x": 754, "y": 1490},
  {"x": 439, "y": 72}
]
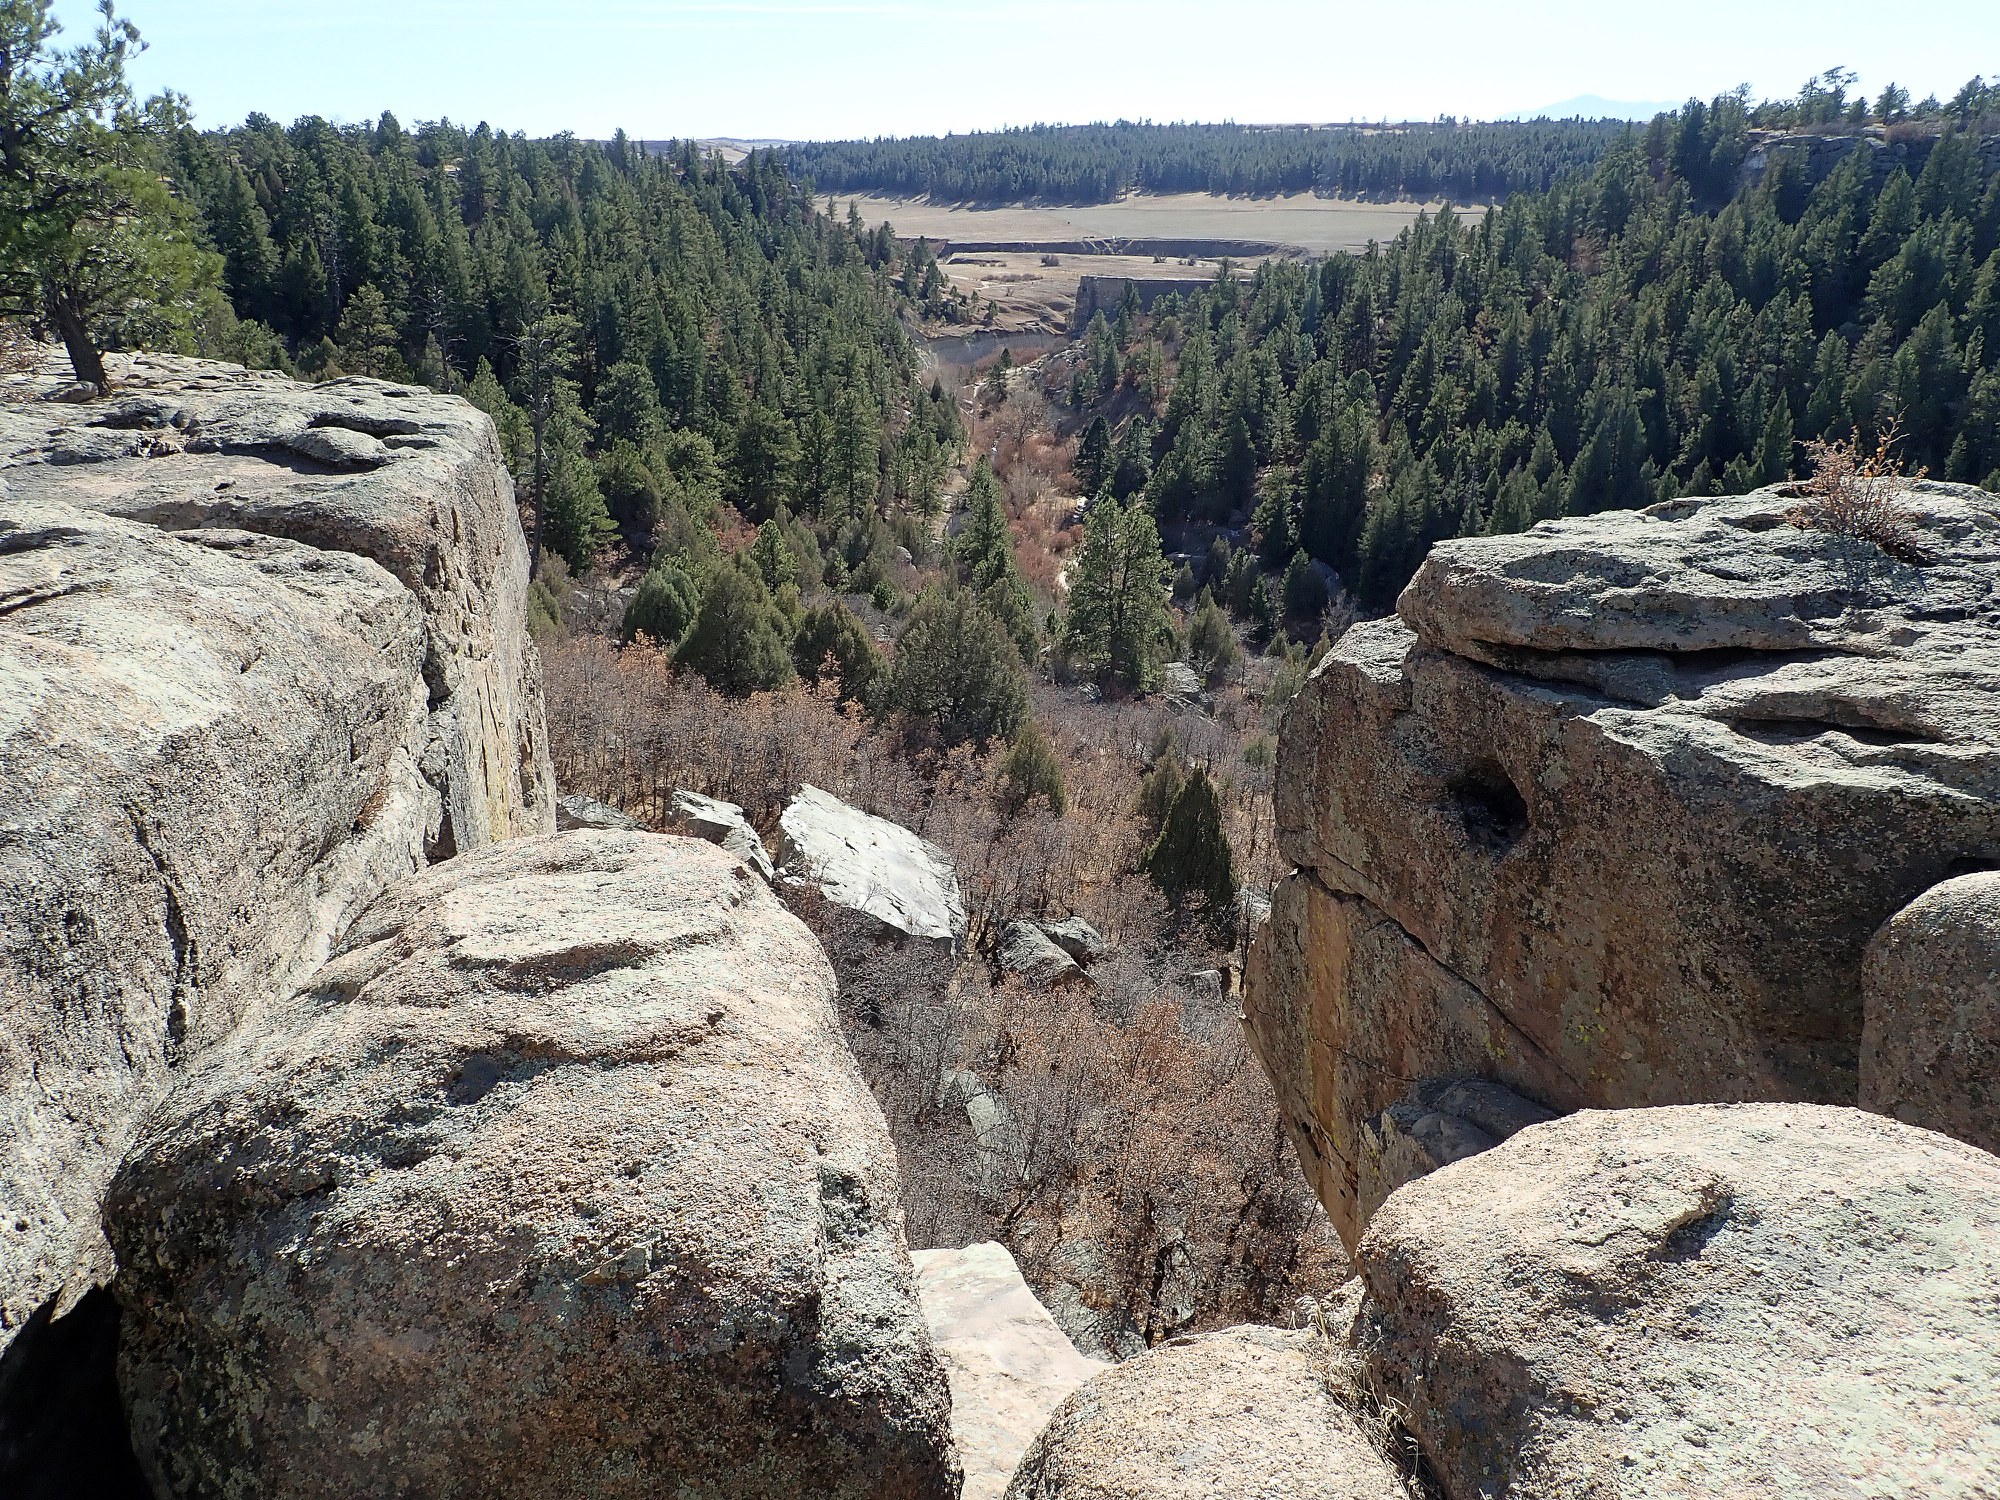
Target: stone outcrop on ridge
[
  {"x": 557, "y": 1179},
  {"x": 1611, "y": 814},
  {"x": 262, "y": 655}
]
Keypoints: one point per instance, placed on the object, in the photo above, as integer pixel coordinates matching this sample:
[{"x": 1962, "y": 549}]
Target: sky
[{"x": 826, "y": 69}]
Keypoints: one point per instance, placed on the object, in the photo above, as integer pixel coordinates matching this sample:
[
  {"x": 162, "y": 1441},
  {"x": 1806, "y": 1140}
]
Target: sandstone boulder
[
  {"x": 1775, "y": 1300},
  {"x": 1246, "y": 1413},
  {"x": 1077, "y": 938},
  {"x": 1009, "y": 1365},
  {"x": 1930, "y": 1046},
  {"x": 1030, "y": 955},
  {"x": 1611, "y": 813},
  {"x": 578, "y": 811},
  {"x": 870, "y": 865},
  {"x": 725, "y": 825},
  {"x": 241, "y": 693},
  {"x": 558, "y": 1179}
]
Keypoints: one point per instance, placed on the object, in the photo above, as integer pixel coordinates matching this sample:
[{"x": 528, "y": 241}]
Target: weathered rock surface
[
  {"x": 1077, "y": 938},
  {"x": 1437, "y": 1123},
  {"x": 578, "y": 811},
  {"x": 1772, "y": 1300},
  {"x": 558, "y": 1179},
  {"x": 241, "y": 692},
  {"x": 1930, "y": 1045},
  {"x": 724, "y": 825},
  {"x": 1030, "y": 955},
  {"x": 1009, "y": 1365},
  {"x": 871, "y": 865},
  {"x": 1610, "y": 815},
  {"x": 1242, "y": 1413}
]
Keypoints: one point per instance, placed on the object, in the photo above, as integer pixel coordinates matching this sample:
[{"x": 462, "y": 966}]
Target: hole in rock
[
  {"x": 1490, "y": 807},
  {"x": 62, "y": 1425}
]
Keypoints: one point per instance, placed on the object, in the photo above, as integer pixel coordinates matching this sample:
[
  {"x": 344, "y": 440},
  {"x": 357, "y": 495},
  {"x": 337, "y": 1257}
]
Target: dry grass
[{"x": 1855, "y": 492}]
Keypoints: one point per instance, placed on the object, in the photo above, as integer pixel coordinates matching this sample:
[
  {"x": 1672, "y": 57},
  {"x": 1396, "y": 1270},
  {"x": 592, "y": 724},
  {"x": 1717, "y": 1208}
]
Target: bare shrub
[{"x": 1858, "y": 493}]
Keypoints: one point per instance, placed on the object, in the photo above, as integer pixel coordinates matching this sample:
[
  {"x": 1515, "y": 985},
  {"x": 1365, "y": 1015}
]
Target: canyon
[{"x": 1630, "y": 1003}]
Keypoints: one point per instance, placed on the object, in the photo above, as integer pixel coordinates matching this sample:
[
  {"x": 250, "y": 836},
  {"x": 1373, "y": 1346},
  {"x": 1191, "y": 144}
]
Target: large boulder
[
  {"x": 1930, "y": 1043},
  {"x": 558, "y": 1179},
  {"x": 1779, "y": 1300},
  {"x": 1248, "y": 1413},
  {"x": 872, "y": 866},
  {"x": 1610, "y": 815},
  {"x": 1009, "y": 1365},
  {"x": 1030, "y": 955},
  {"x": 243, "y": 689},
  {"x": 725, "y": 825}
]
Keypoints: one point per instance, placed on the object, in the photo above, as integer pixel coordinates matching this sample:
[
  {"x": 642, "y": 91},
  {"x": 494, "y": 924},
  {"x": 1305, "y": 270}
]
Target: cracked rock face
[
  {"x": 262, "y": 654},
  {"x": 1709, "y": 1300},
  {"x": 557, "y": 1180},
  {"x": 1611, "y": 813}
]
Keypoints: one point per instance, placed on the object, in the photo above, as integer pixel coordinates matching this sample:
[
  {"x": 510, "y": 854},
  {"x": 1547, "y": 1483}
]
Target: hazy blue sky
[{"x": 826, "y": 68}]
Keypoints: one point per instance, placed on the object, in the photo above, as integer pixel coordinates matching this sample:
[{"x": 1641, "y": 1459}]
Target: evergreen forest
[{"x": 1678, "y": 320}]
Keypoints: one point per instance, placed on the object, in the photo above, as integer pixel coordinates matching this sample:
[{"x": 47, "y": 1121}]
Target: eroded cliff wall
[
  {"x": 1609, "y": 816},
  {"x": 262, "y": 654}
]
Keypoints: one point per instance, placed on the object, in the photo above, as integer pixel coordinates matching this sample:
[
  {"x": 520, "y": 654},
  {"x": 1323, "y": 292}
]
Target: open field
[
  {"x": 1032, "y": 296},
  {"x": 1318, "y": 226}
]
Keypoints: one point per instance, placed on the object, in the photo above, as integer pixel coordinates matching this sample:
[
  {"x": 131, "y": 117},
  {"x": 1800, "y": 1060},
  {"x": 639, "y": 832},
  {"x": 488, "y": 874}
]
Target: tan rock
[
  {"x": 1636, "y": 791},
  {"x": 558, "y": 1180},
  {"x": 1246, "y": 1413},
  {"x": 240, "y": 694},
  {"x": 1009, "y": 1365},
  {"x": 1930, "y": 1046},
  {"x": 1770, "y": 1300}
]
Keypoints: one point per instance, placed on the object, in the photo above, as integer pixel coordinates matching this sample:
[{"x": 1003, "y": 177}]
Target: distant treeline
[
  {"x": 1096, "y": 163},
  {"x": 1464, "y": 162}
]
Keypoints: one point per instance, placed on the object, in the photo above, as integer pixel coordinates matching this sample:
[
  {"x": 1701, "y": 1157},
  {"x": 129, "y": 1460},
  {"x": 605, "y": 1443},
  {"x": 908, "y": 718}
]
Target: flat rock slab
[
  {"x": 1771, "y": 1300},
  {"x": 870, "y": 865},
  {"x": 557, "y": 1180},
  {"x": 1245, "y": 1413},
  {"x": 1010, "y": 1366}
]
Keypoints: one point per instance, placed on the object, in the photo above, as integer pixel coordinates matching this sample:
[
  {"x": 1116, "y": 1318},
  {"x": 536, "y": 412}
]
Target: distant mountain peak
[{"x": 1595, "y": 107}]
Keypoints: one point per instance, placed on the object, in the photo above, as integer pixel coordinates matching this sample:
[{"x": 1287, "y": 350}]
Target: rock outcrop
[
  {"x": 262, "y": 654},
  {"x": 579, "y": 811},
  {"x": 1611, "y": 814},
  {"x": 725, "y": 825},
  {"x": 1779, "y": 1300},
  {"x": 557, "y": 1179},
  {"x": 1009, "y": 1365},
  {"x": 1246, "y": 1413},
  {"x": 1030, "y": 955},
  {"x": 872, "y": 866},
  {"x": 1930, "y": 1040}
]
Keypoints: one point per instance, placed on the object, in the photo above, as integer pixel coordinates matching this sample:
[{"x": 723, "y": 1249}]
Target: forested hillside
[
  {"x": 1642, "y": 331},
  {"x": 1095, "y": 163},
  {"x": 656, "y": 335}
]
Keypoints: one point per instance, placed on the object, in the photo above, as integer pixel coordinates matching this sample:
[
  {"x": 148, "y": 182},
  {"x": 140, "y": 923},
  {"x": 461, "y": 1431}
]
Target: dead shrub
[{"x": 1856, "y": 492}]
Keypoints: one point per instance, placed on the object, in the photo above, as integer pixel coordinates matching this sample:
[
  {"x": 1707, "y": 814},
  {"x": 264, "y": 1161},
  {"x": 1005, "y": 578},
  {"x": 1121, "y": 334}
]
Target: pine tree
[
  {"x": 664, "y": 605},
  {"x": 572, "y": 516},
  {"x": 1030, "y": 769},
  {"x": 957, "y": 672},
  {"x": 92, "y": 239},
  {"x": 1093, "y": 456},
  {"x": 367, "y": 337},
  {"x": 1191, "y": 862},
  {"x": 986, "y": 564},
  {"x": 1118, "y": 624},
  {"x": 1211, "y": 644},
  {"x": 737, "y": 639},
  {"x": 831, "y": 635}
]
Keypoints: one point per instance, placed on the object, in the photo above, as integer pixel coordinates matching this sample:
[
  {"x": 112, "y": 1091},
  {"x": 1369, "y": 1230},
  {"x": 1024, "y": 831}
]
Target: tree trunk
[{"x": 83, "y": 355}]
